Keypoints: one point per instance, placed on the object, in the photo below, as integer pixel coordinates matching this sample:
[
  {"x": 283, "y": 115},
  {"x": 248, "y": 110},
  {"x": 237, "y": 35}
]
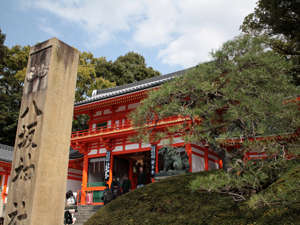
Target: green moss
[{"x": 171, "y": 201}]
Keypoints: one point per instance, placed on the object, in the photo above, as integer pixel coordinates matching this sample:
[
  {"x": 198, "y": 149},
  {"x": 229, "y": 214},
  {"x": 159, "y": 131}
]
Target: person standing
[
  {"x": 141, "y": 178},
  {"x": 126, "y": 185},
  {"x": 68, "y": 220},
  {"x": 115, "y": 187}
]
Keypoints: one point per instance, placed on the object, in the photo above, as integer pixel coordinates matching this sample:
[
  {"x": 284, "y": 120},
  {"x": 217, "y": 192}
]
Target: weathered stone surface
[{"x": 39, "y": 171}]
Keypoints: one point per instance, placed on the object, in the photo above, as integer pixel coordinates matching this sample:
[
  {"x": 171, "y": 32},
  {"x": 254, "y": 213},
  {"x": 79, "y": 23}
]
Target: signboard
[
  {"x": 153, "y": 159},
  {"x": 107, "y": 166}
]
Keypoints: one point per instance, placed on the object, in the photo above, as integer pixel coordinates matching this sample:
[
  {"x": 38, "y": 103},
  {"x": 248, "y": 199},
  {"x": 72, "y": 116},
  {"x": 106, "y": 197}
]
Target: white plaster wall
[
  {"x": 98, "y": 113},
  {"x": 177, "y": 140},
  {"x": 165, "y": 142},
  {"x": 93, "y": 152},
  {"x": 118, "y": 148},
  {"x": 107, "y": 111},
  {"x": 102, "y": 150},
  {"x": 131, "y": 146},
  {"x": 144, "y": 145},
  {"x": 198, "y": 163},
  {"x": 133, "y": 106}
]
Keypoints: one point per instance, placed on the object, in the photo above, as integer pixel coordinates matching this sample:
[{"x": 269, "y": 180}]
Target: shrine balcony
[{"x": 123, "y": 129}]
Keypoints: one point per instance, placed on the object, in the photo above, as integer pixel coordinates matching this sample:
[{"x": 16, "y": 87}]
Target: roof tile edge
[{"x": 132, "y": 87}]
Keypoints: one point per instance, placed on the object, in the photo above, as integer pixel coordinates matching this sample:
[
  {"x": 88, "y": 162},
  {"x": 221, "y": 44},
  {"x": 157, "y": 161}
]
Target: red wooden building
[{"x": 106, "y": 147}]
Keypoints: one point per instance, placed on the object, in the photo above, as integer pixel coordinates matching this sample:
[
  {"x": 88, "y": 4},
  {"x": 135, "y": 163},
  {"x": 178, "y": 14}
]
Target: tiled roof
[
  {"x": 6, "y": 153},
  {"x": 74, "y": 154},
  {"x": 129, "y": 88}
]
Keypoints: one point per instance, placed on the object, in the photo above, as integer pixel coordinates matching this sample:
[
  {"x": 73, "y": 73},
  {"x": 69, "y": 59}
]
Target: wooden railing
[
  {"x": 98, "y": 130},
  {"x": 126, "y": 126}
]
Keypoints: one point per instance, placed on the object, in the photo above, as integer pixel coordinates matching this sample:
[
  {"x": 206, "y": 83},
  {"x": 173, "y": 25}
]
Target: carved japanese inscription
[
  {"x": 39, "y": 169},
  {"x": 26, "y": 147},
  {"x": 36, "y": 76}
]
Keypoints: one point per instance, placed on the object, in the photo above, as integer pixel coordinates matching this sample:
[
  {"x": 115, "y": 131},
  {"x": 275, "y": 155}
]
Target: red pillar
[
  {"x": 188, "y": 149},
  {"x": 4, "y": 188},
  {"x": 206, "y": 159},
  {"x": 220, "y": 164},
  {"x": 84, "y": 178}
]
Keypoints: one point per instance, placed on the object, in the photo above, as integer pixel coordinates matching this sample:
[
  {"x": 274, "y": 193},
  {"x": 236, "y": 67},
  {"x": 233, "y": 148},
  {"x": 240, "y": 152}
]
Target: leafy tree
[
  {"x": 3, "y": 49},
  {"x": 280, "y": 20},
  {"x": 129, "y": 68},
  {"x": 12, "y": 63},
  {"x": 87, "y": 77},
  {"x": 240, "y": 94}
]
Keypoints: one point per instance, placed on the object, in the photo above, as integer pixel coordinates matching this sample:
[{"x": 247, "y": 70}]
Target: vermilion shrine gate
[{"x": 107, "y": 139}]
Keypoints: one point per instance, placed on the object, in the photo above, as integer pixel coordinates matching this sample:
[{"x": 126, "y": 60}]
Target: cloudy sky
[{"x": 170, "y": 34}]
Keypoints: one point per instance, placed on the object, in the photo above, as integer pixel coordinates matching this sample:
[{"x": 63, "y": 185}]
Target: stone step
[{"x": 84, "y": 213}]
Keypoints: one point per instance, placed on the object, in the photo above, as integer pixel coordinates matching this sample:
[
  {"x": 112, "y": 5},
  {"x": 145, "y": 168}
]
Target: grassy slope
[{"x": 171, "y": 202}]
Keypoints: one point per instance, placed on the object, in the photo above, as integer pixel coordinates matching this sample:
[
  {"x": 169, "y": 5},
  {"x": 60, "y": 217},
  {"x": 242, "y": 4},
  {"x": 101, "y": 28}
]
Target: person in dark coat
[
  {"x": 107, "y": 195},
  {"x": 141, "y": 178},
  {"x": 115, "y": 188},
  {"x": 126, "y": 185},
  {"x": 68, "y": 218}
]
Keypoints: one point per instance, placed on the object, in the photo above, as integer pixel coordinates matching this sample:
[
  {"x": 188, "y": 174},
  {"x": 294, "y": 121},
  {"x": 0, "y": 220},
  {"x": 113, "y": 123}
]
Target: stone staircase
[{"x": 84, "y": 212}]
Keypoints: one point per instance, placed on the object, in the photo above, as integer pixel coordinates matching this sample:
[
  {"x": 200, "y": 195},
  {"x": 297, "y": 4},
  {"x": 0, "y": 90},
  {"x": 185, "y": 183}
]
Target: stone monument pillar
[{"x": 39, "y": 171}]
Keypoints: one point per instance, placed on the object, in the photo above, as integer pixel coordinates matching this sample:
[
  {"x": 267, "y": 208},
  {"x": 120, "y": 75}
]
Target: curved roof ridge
[
  {"x": 135, "y": 86},
  {"x": 6, "y": 153}
]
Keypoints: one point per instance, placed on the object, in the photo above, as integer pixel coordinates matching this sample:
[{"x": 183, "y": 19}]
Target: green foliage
[
  {"x": 240, "y": 94},
  {"x": 279, "y": 19},
  {"x": 12, "y": 63},
  {"x": 245, "y": 179},
  {"x": 80, "y": 123},
  {"x": 3, "y": 49},
  {"x": 171, "y": 201},
  {"x": 130, "y": 68},
  {"x": 284, "y": 192},
  {"x": 87, "y": 77}
]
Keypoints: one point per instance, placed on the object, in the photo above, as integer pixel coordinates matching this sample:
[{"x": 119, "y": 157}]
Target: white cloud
[
  {"x": 186, "y": 31},
  {"x": 188, "y": 50},
  {"x": 101, "y": 19},
  {"x": 183, "y": 31},
  {"x": 158, "y": 25}
]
